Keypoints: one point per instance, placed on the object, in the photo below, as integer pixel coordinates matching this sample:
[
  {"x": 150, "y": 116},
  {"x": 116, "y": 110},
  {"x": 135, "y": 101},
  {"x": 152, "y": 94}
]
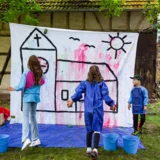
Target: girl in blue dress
[{"x": 95, "y": 91}]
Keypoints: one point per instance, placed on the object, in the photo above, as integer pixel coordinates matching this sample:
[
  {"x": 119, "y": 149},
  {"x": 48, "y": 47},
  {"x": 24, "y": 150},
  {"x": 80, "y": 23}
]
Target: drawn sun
[{"x": 117, "y": 43}]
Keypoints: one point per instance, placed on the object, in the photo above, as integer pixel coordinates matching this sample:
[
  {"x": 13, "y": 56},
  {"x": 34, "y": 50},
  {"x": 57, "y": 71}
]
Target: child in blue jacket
[
  {"x": 139, "y": 100},
  {"x": 95, "y": 91},
  {"x": 30, "y": 83}
]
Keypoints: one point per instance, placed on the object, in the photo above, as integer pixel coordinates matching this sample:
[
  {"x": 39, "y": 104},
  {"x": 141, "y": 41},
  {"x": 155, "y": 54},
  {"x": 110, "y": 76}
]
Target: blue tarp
[{"x": 62, "y": 136}]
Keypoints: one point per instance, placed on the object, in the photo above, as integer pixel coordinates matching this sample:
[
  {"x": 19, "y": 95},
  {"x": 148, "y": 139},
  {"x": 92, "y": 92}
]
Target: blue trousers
[{"x": 29, "y": 110}]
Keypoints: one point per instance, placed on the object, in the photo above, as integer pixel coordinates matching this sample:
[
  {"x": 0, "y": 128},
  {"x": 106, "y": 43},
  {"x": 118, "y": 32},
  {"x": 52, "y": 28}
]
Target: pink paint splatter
[
  {"x": 116, "y": 66},
  {"x": 119, "y": 53},
  {"x": 100, "y": 55},
  {"x": 79, "y": 54},
  {"x": 107, "y": 123},
  {"x": 108, "y": 58},
  {"x": 59, "y": 87},
  {"x": 115, "y": 122},
  {"x": 80, "y": 114}
]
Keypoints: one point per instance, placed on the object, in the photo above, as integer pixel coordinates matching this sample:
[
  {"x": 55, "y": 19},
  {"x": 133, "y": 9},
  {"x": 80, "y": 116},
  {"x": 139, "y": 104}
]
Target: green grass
[
  {"x": 150, "y": 139},
  {"x": 154, "y": 108}
]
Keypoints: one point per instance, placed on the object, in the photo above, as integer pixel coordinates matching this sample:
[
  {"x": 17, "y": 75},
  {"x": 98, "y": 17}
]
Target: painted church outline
[{"x": 64, "y": 94}]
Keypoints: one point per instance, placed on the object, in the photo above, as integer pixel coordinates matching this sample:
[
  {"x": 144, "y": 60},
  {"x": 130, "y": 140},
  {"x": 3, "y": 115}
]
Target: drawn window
[{"x": 64, "y": 95}]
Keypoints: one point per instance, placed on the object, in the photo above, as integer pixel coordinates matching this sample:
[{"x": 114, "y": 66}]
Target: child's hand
[
  {"x": 145, "y": 108},
  {"x": 10, "y": 89},
  {"x": 129, "y": 106},
  {"x": 113, "y": 108},
  {"x": 69, "y": 103}
]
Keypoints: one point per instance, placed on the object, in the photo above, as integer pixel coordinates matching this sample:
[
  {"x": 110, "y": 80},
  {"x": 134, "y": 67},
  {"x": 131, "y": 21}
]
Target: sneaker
[
  {"x": 88, "y": 154},
  {"x": 135, "y": 133},
  {"x": 35, "y": 143},
  {"x": 94, "y": 155},
  {"x": 26, "y": 144}
]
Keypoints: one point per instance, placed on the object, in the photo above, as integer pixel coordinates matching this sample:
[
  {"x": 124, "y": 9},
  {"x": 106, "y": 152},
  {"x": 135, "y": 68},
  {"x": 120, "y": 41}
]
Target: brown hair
[
  {"x": 35, "y": 67},
  {"x": 94, "y": 75}
]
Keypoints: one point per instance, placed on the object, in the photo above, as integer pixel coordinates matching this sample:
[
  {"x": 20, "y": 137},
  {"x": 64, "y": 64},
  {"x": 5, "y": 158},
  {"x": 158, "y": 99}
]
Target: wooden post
[{"x": 5, "y": 65}]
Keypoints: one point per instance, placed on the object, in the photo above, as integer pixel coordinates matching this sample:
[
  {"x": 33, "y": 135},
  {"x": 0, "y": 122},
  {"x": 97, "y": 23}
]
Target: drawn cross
[{"x": 37, "y": 38}]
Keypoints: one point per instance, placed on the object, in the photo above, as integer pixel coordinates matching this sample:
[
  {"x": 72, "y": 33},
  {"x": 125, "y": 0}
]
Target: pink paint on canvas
[
  {"x": 119, "y": 53},
  {"x": 107, "y": 123},
  {"x": 59, "y": 88},
  {"x": 116, "y": 66},
  {"x": 115, "y": 122},
  {"x": 79, "y": 54},
  {"x": 100, "y": 55}
]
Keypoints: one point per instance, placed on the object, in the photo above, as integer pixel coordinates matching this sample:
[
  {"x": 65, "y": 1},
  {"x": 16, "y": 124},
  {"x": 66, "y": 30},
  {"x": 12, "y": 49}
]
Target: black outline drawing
[
  {"x": 70, "y": 81},
  {"x": 61, "y": 60},
  {"x": 46, "y": 63},
  {"x": 90, "y": 46},
  {"x": 41, "y": 49},
  {"x": 37, "y": 38},
  {"x": 75, "y": 39},
  {"x": 123, "y": 43},
  {"x": 62, "y": 92}
]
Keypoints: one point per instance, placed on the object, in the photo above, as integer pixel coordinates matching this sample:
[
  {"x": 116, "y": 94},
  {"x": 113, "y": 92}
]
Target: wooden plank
[
  {"x": 128, "y": 20},
  {"x": 4, "y": 96},
  {"x": 98, "y": 21},
  {"x": 3, "y": 54},
  {"x": 5, "y": 65},
  {"x": 110, "y": 23},
  {"x": 140, "y": 22},
  {"x": 7, "y": 72}
]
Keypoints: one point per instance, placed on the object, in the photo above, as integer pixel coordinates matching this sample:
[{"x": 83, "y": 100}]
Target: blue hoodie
[{"x": 31, "y": 92}]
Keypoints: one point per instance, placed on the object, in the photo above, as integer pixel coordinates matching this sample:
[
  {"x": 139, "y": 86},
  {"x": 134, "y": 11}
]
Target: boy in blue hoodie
[{"x": 139, "y": 101}]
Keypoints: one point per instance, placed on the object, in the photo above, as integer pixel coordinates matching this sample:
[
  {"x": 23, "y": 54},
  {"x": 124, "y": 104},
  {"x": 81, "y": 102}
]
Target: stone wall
[{"x": 95, "y": 21}]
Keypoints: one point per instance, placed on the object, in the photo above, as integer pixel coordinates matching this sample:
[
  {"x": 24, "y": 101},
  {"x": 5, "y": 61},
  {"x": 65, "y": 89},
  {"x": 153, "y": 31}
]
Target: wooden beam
[
  {"x": 98, "y": 21},
  {"x": 140, "y": 22},
  {"x": 51, "y": 19},
  {"x": 7, "y": 72},
  {"x": 5, "y": 65},
  {"x": 84, "y": 20},
  {"x": 128, "y": 20},
  {"x": 3, "y": 54},
  {"x": 67, "y": 19},
  {"x": 110, "y": 23}
]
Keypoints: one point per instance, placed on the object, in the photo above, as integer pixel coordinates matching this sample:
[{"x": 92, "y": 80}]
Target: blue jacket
[
  {"x": 31, "y": 92},
  {"x": 94, "y": 94},
  {"x": 138, "y": 99}
]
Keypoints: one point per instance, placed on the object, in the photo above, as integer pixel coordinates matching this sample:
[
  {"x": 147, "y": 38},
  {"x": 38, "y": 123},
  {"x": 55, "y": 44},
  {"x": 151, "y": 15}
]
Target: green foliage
[
  {"x": 152, "y": 11},
  {"x": 17, "y": 8},
  {"x": 112, "y": 7},
  {"x": 154, "y": 107},
  {"x": 157, "y": 90}
]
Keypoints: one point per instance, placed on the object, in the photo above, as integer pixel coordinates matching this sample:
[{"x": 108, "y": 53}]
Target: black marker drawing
[
  {"x": 75, "y": 39},
  {"x": 61, "y": 94},
  {"x": 44, "y": 64},
  {"x": 37, "y": 38},
  {"x": 26, "y": 51},
  {"x": 90, "y": 46},
  {"x": 113, "y": 43},
  {"x": 75, "y": 82},
  {"x": 65, "y": 95}
]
